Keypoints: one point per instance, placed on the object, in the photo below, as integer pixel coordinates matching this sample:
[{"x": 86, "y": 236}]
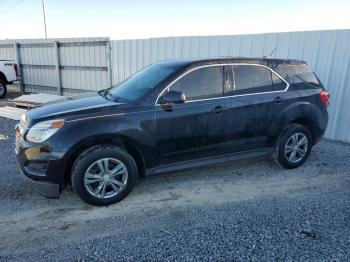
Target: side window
[
  {"x": 201, "y": 83},
  {"x": 228, "y": 81},
  {"x": 252, "y": 79}
]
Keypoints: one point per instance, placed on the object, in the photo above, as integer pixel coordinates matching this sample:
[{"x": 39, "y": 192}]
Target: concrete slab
[
  {"x": 34, "y": 100},
  {"x": 11, "y": 112}
]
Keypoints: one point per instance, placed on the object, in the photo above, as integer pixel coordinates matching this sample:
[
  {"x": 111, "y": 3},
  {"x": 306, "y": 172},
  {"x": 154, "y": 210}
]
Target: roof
[{"x": 272, "y": 62}]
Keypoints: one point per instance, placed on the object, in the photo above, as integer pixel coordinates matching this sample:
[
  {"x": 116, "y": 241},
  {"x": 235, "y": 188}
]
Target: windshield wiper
[
  {"x": 102, "y": 92},
  {"x": 114, "y": 98},
  {"x": 105, "y": 94}
]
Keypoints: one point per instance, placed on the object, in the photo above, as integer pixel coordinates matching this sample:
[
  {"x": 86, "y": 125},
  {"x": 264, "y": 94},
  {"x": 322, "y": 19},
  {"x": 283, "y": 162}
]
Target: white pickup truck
[{"x": 8, "y": 74}]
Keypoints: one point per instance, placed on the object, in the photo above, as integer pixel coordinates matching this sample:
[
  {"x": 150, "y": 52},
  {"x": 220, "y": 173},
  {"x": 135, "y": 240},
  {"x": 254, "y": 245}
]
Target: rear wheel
[
  {"x": 104, "y": 175},
  {"x": 293, "y": 146},
  {"x": 3, "y": 89}
]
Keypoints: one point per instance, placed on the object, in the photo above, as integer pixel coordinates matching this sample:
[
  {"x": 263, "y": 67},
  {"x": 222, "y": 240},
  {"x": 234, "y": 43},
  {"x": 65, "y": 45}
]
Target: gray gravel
[{"x": 247, "y": 210}]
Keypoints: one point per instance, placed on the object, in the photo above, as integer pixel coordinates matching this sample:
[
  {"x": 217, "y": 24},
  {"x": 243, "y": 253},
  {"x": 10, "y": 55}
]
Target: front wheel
[
  {"x": 293, "y": 146},
  {"x": 3, "y": 89},
  {"x": 104, "y": 175}
]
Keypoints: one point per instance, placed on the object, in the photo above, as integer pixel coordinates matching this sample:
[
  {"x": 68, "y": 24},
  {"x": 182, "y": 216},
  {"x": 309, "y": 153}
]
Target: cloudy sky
[{"x": 128, "y": 19}]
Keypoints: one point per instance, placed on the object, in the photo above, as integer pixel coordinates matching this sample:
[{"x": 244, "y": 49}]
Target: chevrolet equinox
[{"x": 172, "y": 115}]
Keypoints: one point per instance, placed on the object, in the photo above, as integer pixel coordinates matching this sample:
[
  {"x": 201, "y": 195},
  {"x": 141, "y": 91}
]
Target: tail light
[
  {"x": 16, "y": 69},
  {"x": 325, "y": 98}
]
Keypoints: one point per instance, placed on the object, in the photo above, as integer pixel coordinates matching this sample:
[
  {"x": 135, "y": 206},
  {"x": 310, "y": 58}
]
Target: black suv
[{"x": 172, "y": 115}]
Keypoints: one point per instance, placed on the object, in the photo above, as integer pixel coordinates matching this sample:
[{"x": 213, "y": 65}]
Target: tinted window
[
  {"x": 278, "y": 84},
  {"x": 252, "y": 79},
  {"x": 296, "y": 74},
  {"x": 228, "y": 81},
  {"x": 141, "y": 82},
  {"x": 201, "y": 83}
]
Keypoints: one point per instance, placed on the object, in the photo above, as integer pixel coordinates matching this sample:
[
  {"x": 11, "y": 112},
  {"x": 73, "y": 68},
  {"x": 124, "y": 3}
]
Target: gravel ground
[{"x": 244, "y": 210}]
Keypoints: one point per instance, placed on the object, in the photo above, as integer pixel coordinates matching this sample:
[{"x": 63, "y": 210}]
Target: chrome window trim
[{"x": 223, "y": 64}]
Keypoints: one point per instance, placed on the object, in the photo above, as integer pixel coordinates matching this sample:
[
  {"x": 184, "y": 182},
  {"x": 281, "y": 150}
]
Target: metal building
[
  {"x": 77, "y": 65},
  {"x": 327, "y": 52}
]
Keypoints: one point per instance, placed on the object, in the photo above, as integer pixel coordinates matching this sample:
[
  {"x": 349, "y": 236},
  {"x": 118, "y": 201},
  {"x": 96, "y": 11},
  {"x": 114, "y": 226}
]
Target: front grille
[
  {"x": 19, "y": 137},
  {"x": 18, "y": 144}
]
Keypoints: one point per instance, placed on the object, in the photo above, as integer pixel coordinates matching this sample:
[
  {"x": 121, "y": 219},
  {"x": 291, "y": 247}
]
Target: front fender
[{"x": 124, "y": 127}]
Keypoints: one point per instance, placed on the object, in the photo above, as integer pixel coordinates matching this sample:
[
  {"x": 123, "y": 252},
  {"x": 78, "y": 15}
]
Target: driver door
[{"x": 193, "y": 129}]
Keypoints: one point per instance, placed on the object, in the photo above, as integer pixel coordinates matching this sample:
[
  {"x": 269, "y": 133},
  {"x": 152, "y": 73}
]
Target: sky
[{"x": 132, "y": 19}]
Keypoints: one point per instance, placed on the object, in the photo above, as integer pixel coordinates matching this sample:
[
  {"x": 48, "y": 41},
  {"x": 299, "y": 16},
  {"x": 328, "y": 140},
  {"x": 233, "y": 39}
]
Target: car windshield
[{"x": 141, "y": 83}]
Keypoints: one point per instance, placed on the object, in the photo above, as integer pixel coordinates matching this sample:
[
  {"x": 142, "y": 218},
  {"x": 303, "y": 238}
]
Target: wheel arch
[
  {"x": 125, "y": 143},
  {"x": 310, "y": 124},
  {"x": 302, "y": 113},
  {"x": 3, "y": 77}
]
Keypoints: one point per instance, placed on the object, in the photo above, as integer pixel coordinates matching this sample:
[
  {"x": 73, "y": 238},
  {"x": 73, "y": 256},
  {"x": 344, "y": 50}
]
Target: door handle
[
  {"x": 219, "y": 109},
  {"x": 278, "y": 99}
]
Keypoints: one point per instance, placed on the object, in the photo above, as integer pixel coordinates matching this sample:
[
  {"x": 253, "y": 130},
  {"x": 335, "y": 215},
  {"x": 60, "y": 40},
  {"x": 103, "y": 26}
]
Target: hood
[{"x": 75, "y": 105}]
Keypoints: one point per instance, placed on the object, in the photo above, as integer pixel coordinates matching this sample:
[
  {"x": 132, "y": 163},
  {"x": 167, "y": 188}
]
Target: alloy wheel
[
  {"x": 296, "y": 147},
  {"x": 106, "y": 178}
]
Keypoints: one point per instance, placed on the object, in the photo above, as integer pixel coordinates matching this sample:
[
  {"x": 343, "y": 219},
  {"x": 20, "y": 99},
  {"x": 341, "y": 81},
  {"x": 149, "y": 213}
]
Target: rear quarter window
[{"x": 298, "y": 75}]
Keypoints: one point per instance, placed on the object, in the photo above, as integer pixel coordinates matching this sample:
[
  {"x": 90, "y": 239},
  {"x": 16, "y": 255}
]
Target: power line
[{"x": 4, "y": 11}]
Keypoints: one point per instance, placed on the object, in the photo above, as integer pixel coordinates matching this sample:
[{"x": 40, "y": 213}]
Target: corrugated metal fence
[
  {"x": 327, "y": 52},
  {"x": 63, "y": 66},
  {"x": 88, "y": 64}
]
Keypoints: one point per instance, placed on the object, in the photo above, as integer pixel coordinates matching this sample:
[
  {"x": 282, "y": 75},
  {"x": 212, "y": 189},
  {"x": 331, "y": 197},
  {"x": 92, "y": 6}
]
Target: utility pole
[{"x": 42, "y": 1}]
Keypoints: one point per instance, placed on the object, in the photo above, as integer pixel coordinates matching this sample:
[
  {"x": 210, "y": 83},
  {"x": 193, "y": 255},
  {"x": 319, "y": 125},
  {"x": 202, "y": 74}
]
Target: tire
[
  {"x": 97, "y": 164},
  {"x": 295, "y": 138},
  {"x": 3, "y": 89}
]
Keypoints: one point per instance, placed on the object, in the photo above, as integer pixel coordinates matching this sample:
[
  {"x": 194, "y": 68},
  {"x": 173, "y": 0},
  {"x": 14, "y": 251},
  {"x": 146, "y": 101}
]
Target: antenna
[{"x": 270, "y": 55}]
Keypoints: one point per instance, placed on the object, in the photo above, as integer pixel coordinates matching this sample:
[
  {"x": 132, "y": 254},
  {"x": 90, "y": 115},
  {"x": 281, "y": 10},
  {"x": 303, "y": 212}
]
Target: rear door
[{"x": 257, "y": 95}]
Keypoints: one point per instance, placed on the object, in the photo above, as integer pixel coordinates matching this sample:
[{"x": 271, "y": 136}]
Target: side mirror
[{"x": 173, "y": 97}]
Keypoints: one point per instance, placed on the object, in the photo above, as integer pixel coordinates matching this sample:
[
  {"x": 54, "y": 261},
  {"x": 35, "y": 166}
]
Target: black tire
[
  {"x": 3, "y": 89},
  {"x": 88, "y": 158},
  {"x": 281, "y": 152}
]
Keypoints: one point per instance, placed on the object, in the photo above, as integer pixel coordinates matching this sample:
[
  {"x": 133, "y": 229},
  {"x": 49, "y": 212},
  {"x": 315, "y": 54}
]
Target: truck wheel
[
  {"x": 103, "y": 175},
  {"x": 293, "y": 146},
  {"x": 3, "y": 89}
]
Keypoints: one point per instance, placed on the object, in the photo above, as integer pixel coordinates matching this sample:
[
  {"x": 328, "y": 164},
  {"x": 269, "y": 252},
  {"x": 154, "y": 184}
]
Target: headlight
[{"x": 43, "y": 130}]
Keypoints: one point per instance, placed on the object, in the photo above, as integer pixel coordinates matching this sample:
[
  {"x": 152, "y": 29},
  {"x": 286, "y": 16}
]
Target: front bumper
[
  {"x": 46, "y": 189},
  {"x": 41, "y": 165}
]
